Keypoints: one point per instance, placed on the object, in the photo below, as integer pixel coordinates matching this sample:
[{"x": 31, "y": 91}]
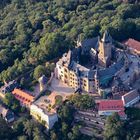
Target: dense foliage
[
  {"x": 82, "y": 101},
  {"x": 114, "y": 128},
  {"x": 35, "y": 31},
  {"x": 5, "y": 131},
  {"x": 22, "y": 129},
  {"x": 12, "y": 103},
  {"x": 28, "y": 129},
  {"x": 65, "y": 128},
  {"x": 117, "y": 129}
]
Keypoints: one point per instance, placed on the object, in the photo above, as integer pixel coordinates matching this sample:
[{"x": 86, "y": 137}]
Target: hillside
[
  {"x": 130, "y": 1},
  {"x": 36, "y": 31}
]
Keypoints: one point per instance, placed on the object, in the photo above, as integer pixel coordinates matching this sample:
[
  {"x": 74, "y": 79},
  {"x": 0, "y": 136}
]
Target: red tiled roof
[
  {"x": 132, "y": 44},
  {"x": 23, "y": 97},
  {"x": 111, "y": 105}
]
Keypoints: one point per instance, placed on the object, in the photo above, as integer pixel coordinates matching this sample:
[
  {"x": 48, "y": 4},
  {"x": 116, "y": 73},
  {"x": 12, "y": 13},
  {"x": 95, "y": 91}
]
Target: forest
[{"x": 33, "y": 32}]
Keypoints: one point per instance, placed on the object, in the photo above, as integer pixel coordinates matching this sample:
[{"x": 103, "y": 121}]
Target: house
[
  {"x": 44, "y": 111},
  {"x": 133, "y": 46},
  {"x": 131, "y": 98},
  {"x": 108, "y": 107},
  {"x": 6, "y": 114},
  {"x": 24, "y": 98},
  {"x": 8, "y": 87}
]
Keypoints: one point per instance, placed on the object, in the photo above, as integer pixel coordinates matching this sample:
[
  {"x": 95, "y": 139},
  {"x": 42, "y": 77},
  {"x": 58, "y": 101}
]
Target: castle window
[{"x": 65, "y": 70}]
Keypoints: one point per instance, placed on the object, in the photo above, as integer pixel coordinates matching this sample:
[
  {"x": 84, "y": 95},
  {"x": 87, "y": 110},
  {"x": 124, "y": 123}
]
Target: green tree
[
  {"x": 39, "y": 71},
  {"x": 22, "y": 137},
  {"x": 82, "y": 101},
  {"x": 76, "y": 133},
  {"x": 58, "y": 100},
  {"x": 37, "y": 134},
  {"x": 18, "y": 126},
  {"x": 12, "y": 102},
  {"x": 5, "y": 131},
  {"x": 65, "y": 113},
  {"x": 53, "y": 136},
  {"x": 65, "y": 129},
  {"x": 114, "y": 128},
  {"x": 28, "y": 129}
]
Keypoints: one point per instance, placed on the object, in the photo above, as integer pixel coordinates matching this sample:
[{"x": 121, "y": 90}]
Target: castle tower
[
  {"x": 105, "y": 50},
  {"x": 78, "y": 42},
  {"x": 42, "y": 81}
]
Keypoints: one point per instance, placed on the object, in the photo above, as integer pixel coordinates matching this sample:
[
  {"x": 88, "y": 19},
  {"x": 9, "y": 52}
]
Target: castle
[{"x": 96, "y": 64}]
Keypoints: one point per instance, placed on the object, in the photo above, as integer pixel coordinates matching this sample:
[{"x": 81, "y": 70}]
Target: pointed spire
[
  {"x": 79, "y": 44},
  {"x": 106, "y": 37}
]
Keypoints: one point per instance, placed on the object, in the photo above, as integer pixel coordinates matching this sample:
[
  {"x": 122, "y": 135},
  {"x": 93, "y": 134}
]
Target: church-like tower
[{"x": 105, "y": 50}]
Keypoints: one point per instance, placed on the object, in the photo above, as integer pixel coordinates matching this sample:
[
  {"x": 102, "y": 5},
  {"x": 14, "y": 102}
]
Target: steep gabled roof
[
  {"x": 132, "y": 44},
  {"x": 112, "y": 69},
  {"x": 106, "y": 37},
  {"x": 128, "y": 97},
  {"x": 87, "y": 44}
]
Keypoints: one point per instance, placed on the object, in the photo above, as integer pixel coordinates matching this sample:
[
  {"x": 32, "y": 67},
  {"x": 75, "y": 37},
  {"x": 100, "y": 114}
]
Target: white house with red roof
[{"x": 108, "y": 107}]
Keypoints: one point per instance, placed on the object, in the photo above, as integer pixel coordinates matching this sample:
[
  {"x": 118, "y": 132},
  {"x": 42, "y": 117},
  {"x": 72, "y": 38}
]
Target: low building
[
  {"x": 133, "y": 46},
  {"x": 8, "y": 87},
  {"x": 131, "y": 98},
  {"x": 44, "y": 111},
  {"x": 24, "y": 98},
  {"x": 108, "y": 107},
  {"x": 6, "y": 114}
]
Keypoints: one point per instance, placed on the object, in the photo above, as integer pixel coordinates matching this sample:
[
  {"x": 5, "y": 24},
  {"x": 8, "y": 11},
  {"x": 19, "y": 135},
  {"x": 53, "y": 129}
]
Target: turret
[
  {"x": 79, "y": 43},
  {"x": 42, "y": 81},
  {"x": 105, "y": 50},
  {"x": 106, "y": 37}
]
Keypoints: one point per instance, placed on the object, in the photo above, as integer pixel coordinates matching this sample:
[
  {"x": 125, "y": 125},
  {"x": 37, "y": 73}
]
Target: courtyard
[{"x": 59, "y": 87}]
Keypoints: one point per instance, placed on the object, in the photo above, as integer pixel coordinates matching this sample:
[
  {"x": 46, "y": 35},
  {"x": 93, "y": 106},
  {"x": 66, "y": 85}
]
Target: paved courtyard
[{"x": 61, "y": 88}]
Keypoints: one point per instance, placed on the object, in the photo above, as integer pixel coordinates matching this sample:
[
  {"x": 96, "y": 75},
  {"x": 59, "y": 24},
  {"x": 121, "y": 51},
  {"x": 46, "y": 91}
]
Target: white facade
[
  {"x": 107, "y": 112},
  {"x": 110, "y": 112},
  {"x": 59, "y": 73},
  {"x": 48, "y": 119},
  {"x": 70, "y": 78}
]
